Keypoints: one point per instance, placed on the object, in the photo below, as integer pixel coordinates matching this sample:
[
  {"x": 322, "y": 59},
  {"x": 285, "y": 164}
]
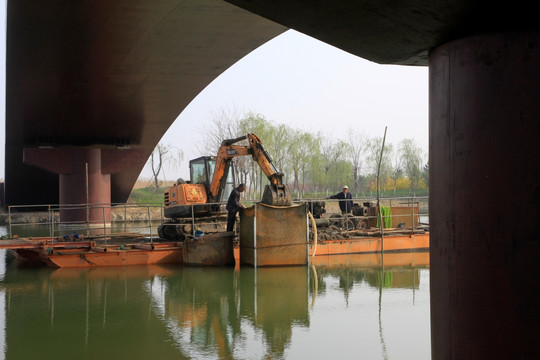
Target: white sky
[
  {"x": 301, "y": 82},
  {"x": 309, "y": 85}
]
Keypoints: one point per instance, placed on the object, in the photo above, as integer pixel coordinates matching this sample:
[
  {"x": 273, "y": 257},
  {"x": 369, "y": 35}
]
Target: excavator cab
[
  {"x": 201, "y": 170},
  {"x": 188, "y": 199}
]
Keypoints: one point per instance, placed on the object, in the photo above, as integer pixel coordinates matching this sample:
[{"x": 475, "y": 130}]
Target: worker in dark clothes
[
  {"x": 346, "y": 204},
  {"x": 234, "y": 205}
]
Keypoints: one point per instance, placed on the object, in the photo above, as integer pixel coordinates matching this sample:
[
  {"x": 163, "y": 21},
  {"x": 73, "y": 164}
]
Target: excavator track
[{"x": 179, "y": 229}]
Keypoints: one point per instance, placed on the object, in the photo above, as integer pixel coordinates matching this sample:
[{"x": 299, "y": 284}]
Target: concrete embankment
[{"x": 120, "y": 214}]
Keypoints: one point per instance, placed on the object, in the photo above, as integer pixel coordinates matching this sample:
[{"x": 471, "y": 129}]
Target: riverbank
[{"x": 118, "y": 214}]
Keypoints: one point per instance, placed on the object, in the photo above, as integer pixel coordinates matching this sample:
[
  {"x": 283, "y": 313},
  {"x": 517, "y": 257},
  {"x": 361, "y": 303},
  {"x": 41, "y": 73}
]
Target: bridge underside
[{"x": 108, "y": 75}]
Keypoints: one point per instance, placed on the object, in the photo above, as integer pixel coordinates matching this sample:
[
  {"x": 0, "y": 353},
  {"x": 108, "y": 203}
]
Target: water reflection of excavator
[
  {"x": 211, "y": 182},
  {"x": 218, "y": 313}
]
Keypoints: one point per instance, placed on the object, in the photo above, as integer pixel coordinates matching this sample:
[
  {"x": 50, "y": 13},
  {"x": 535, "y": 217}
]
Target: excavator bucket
[{"x": 276, "y": 195}]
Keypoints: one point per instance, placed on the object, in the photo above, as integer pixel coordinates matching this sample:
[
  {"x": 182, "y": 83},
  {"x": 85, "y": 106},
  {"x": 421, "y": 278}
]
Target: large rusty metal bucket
[
  {"x": 210, "y": 250},
  {"x": 274, "y": 235}
]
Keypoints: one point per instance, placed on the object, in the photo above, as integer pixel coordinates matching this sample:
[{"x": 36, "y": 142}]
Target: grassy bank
[{"x": 147, "y": 195}]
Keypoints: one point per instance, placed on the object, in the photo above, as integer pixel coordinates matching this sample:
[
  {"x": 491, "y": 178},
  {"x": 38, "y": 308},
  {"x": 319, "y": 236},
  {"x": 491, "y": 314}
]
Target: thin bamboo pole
[{"x": 378, "y": 192}]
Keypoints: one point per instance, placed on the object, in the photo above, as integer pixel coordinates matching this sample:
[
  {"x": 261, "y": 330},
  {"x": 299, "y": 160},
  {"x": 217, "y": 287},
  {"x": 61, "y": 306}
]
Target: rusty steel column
[{"x": 484, "y": 197}]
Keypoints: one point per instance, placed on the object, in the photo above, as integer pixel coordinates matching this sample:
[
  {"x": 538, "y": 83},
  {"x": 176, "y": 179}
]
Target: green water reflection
[{"x": 174, "y": 312}]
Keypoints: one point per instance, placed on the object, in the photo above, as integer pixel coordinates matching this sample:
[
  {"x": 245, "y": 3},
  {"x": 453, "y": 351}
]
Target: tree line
[{"x": 316, "y": 165}]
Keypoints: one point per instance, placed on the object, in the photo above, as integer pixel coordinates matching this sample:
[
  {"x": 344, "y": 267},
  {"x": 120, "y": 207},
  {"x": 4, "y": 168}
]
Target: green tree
[
  {"x": 411, "y": 158},
  {"x": 295, "y": 158},
  {"x": 425, "y": 173},
  {"x": 315, "y": 167},
  {"x": 309, "y": 147},
  {"x": 333, "y": 152},
  {"x": 324, "y": 162},
  {"x": 252, "y": 123},
  {"x": 280, "y": 140}
]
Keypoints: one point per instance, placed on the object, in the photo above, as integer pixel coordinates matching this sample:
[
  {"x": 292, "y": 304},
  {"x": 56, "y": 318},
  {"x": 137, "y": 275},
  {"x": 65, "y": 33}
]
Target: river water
[{"x": 333, "y": 309}]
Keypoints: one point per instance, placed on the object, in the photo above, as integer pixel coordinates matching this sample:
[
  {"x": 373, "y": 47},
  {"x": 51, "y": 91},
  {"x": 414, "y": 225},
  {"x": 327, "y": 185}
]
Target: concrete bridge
[{"x": 96, "y": 83}]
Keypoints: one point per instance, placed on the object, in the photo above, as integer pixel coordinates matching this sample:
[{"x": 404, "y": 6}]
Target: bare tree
[
  {"x": 232, "y": 124},
  {"x": 326, "y": 151},
  {"x": 161, "y": 156},
  {"x": 156, "y": 162},
  {"x": 357, "y": 142},
  {"x": 396, "y": 171},
  {"x": 224, "y": 124},
  {"x": 373, "y": 158}
]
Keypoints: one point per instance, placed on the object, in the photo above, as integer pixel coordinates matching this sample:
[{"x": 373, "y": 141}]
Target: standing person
[
  {"x": 347, "y": 204},
  {"x": 234, "y": 205}
]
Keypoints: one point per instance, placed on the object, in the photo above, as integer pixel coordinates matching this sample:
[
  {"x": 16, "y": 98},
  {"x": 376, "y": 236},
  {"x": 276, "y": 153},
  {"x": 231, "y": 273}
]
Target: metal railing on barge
[
  {"x": 413, "y": 212},
  {"x": 138, "y": 220},
  {"x": 143, "y": 218}
]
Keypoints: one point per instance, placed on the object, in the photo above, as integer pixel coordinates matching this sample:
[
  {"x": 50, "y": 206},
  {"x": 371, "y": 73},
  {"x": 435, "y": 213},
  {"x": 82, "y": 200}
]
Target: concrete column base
[
  {"x": 484, "y": 197},
  {"x": 73, "y": 191},
  {"x": 70, "y": 164}
]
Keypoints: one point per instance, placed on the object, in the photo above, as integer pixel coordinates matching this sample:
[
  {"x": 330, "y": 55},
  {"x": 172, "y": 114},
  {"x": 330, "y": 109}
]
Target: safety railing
[
  {"x": 397, "y": 214},
  {"x": 101, "y": 222},
  {"x": 105, "y": 222}
]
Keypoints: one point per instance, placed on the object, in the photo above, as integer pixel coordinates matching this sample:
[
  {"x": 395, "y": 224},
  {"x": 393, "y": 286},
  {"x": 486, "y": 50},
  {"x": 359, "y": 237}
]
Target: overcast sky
[
  {"x": 309, "y": 85},
  {"x": 301, "y": 82}
]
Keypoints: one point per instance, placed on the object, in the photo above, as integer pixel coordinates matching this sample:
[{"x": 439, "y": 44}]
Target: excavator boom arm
[{"x": 229, "y": 150}]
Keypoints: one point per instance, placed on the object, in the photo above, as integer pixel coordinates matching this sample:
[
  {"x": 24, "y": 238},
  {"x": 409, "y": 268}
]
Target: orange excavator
[{"x": 211, "y": 182}]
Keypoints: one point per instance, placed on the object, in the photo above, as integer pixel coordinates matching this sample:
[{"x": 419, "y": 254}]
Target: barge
[
  {"x": 264, "y": 241},
  {"x": 394, "y": 243},
  {"x": 62, "y": 254}
]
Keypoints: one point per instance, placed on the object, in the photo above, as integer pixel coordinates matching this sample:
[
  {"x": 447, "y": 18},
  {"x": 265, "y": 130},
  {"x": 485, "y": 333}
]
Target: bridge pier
[
  {"x": 74, "y": 166},
  {"x": 484, "y": 197}
]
